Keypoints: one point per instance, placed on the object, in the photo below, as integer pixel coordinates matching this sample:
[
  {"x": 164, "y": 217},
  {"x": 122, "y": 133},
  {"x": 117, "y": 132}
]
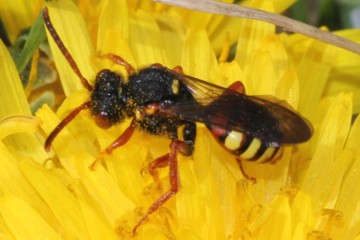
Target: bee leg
[
  {"x": 175, "y": 147},
  {"x": 63, "y": 123},
  {"x": 189, "y": 135},
  {"x": 120, "y": 141},
  {"x": 186, "y": 148},
  {"x": 120, "y": 61},
  {"x": 246, "y": 176},
  {"x": 159, "y": 162}
]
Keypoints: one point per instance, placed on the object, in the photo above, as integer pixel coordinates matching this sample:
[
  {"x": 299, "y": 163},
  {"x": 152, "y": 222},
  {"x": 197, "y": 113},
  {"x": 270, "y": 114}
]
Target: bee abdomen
[{"x": 246, "y": 147}]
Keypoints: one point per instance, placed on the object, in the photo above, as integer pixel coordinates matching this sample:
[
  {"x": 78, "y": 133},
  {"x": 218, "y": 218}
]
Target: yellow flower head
[{"x": 309, "y": 193}]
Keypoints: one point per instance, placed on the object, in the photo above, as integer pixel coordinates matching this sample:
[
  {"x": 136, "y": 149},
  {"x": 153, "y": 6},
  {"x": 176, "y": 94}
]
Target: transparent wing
[{"x": 263, "y": 117}]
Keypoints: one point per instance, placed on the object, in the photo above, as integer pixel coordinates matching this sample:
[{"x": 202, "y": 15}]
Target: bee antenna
[{"x": 63, "y": 49}]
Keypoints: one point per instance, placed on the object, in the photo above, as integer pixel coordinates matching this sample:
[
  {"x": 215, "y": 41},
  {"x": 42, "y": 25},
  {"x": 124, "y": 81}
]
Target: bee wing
[{"x": 268, "y": 119}]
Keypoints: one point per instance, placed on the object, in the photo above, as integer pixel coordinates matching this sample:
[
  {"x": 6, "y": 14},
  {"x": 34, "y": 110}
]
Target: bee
[{"x": 160, "y": 100}]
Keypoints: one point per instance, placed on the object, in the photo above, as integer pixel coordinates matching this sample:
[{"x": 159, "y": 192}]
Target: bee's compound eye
[{"x": 102, "y": 120}]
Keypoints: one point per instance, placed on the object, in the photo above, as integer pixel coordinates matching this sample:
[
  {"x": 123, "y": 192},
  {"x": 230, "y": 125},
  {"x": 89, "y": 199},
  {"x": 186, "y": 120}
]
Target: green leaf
[{"x": 36, "y": 37}]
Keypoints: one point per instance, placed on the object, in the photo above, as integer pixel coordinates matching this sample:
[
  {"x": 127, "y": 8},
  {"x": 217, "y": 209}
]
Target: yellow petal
[
  {"x": 221, "y": 29},
  {"x": 145, "y": 41},
  {"x": 189, "y": 215},
  {"x": 13, "y": 182},
  {"x": 230, "y": 73},
  {"x": 300, "y": 231},
  {"x": 69, "y": 140},
  {"x": 345, "y": 75},
  {"x": 274, "y": 222},
  {"x": 270, "y": 177},
  {"x": 347, "y": 205},
  {"x": 277, "y": 51},
  {"x": 357, "y": 238},
  {"x": 281, "y": 5},
  {"x": 113, "y": 35},
  {"x": 126, "y": 163},
  {"x": 327, "y": 160},
  {"x": 264, "y": 81},
  {"x": 225, "y": 203},
  {"x": 103, "y": 189},
  {"x": 353, "y": 139},
  {"x": 153, "y": 232},
  {"x": 199, "y": 189},
  {"x": 221, "y": 207},
  {"x": 109, "y": 21},
  {"x": 23, "y": 221},
  {"x": 252, "y": 33},
  {"x": 59, "y": 199},
  {"x": 18, "y": 15},
  {"x": 96, "y": 223},
  {"x": 288, "y": 88},
  {"x": 115, "y": 44},
  {"x": 227, "y": 30},
  {"x": 302, "y": 212},
  {"x": 173, "y": 32},
  {"x": 313, "y": 61},
  {"x": 198, "y": 59},
  {"x": 197, "y": 20},
  {"x": 13, "y": 99},
  {"x": 17, "y": 124},
  {"x": 188, "y": 235}
]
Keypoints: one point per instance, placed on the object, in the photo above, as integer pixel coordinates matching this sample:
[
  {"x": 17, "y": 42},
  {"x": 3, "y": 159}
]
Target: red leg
[
  {"x": 174, "y": 181},
  {"x": 163, "y": 161},
  {"x": 63, "y": 123},
  {"x": 120, "y": 141},
  {"x": 246, "y": 176},
  {"x": 119, "y": 60},
  {"x": 159, "y": 162}
]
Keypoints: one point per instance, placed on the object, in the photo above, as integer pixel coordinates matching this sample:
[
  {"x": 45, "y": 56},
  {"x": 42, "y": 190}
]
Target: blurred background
[{"x": 335, "y": 14}]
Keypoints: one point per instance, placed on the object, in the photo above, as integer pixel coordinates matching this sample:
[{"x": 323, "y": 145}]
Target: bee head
[{"x": 108, "y": 106}]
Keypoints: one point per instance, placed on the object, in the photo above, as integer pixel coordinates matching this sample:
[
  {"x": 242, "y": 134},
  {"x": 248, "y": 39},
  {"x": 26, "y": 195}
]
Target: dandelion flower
[{"x": 306, "y": 194}]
